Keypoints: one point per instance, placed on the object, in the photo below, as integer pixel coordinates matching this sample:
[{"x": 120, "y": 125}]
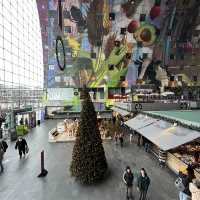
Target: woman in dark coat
[
  {"x": 143, "y": 184},
  {"x": 128, "y": 180}
]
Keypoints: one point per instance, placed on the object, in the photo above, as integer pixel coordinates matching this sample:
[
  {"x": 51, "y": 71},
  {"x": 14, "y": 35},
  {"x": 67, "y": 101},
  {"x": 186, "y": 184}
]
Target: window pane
[
  {"x": 8, "y": 77},
  {"x": 20, "y": 43},
  {"x": 1, "y": 75}
]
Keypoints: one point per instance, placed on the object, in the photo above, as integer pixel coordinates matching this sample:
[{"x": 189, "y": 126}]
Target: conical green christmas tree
[{"x": 89, "y": 163}]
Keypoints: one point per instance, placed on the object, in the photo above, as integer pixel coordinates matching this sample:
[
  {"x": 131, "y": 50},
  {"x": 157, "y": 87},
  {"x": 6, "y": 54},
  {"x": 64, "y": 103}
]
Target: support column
[{"x": 162, "y": 157}]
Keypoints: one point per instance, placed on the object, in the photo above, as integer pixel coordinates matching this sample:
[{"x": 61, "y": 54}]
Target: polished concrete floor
[{"x": 20, "y": 182}]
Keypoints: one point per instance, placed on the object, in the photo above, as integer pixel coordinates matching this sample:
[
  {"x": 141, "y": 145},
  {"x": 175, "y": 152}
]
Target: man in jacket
[
  {"x": 128, "y": 180},
  {"x": 21, "y": 145},
  {"x": 143, "y": 184}
]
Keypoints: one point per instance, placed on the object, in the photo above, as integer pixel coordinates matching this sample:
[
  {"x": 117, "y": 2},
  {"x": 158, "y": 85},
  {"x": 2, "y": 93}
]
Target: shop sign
[{"x": 28, "y": 109}]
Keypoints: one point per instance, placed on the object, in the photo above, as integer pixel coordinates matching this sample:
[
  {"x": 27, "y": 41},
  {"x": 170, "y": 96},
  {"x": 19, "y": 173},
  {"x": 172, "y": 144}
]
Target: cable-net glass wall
[{"x": 21, "y": 55}]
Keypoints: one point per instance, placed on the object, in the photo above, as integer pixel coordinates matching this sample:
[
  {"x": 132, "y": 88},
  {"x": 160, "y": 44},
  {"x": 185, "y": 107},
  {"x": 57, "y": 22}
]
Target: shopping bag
[{"x": 27, "y": 149}]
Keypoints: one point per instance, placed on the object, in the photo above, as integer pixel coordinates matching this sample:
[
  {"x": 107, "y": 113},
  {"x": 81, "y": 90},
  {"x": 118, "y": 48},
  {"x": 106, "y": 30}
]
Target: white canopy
[
  {"x": 154, "y": 94},
  {"x": 167, "y": 93},
  {"x": 163, "y": 134},
  {"x": 120, "y": 111},
  {"x": 140, "y": 121}
]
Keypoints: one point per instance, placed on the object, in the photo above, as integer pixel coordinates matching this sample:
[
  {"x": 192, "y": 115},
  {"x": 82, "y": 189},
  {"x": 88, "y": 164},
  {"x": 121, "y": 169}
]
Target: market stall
[
  {"x": 187, "y": 154},
  {"x": 66, "y": 130},
  {"x": 27, "y": 118},
  {"x": 168, "y": 139},
  {"x": 176, "y": 163},
  {"x": 120, "y": 111}
]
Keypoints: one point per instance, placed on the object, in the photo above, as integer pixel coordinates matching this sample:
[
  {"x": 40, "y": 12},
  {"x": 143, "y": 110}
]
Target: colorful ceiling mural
[{"x": 117, "y": 43}]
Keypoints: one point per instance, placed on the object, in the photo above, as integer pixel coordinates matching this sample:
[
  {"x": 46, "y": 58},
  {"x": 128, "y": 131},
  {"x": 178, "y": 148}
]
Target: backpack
[
  {"x": 4, "y": 146},
  {"x": 179, "y": 184}
]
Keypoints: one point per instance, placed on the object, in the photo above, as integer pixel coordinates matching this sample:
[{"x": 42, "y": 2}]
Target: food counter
[{"x": 175, "y": 164}]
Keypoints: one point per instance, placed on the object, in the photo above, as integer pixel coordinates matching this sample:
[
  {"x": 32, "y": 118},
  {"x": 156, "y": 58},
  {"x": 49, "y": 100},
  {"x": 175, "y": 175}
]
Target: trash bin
[{"x": 38, "y": 122}]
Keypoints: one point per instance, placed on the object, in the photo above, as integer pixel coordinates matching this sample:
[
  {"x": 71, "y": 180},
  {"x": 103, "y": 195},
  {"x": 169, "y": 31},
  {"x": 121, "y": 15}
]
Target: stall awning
[
  {"x": 164, "y": 134},
  {"x": 140, "y": 121},
  {"x": 120, "y": 111}
]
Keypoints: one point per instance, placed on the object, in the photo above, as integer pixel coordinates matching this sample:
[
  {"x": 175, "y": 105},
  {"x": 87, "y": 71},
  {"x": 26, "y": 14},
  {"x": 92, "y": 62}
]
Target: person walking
[
  {"x": 116, "y": 137},
  {"x": 195, "y": 189},
  {"x": 3, "y": 145},
  {"x": 143, "y": 184},
  {"x": 128, "y": 180},
  {"x": 146, "y": 146},
  {"x": 1, "y": 159},
  {"x": 131, "y": 138},
  {"x": 121, "y": 139},
  {"x": 114, "y": 119},
  {"x": 185, "y": 194},
  {"x": 22, "y": 146},
  {"x": 3, "y": 148},
  {"x": 139, "y": 140}
]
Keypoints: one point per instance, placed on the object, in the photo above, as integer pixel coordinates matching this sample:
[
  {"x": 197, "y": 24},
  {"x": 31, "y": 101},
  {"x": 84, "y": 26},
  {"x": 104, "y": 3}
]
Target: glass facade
[{"x": 21, "y": 54}]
